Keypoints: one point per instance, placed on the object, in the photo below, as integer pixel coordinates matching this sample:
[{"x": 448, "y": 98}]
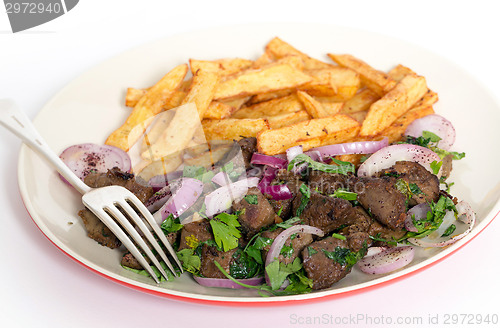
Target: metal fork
[{"x": 115, "y": 206}]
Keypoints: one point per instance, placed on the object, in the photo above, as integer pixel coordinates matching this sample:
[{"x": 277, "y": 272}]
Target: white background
[{"x": 41, "y": 287}]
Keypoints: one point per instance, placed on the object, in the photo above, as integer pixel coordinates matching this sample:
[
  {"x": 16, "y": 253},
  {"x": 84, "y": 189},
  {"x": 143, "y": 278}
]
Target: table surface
[{"x": 41, "y": 287}]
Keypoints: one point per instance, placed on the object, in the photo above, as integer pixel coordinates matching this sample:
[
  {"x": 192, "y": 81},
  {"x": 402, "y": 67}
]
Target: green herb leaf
[
  {"x": 449, "y": 230},
  {"x": 190, "y": 261},
  {"x": 344, "y": 256},
  {"x": 311, "y": 250},
  {"x": 436, "y": 166},
  {"x": 306, "y": 195},
  {"x": 278, "y": 272},
  {"x": 171, "y": 224},
  {"x": 251, "y": 199},
  {"x": 341, "y": 167},
  {"x": 344, "y": 194},
  {"x": 225, "y": 229},
  {"x": 286, "y": 224},
  {"x": 431, "y": 136},
  {"x": 243, "y": 266},
  {"x": 338, "y": 236}
]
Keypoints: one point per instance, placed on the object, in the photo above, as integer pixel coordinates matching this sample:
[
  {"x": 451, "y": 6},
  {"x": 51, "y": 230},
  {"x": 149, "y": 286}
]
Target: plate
[{"x": 91, "y": 107}]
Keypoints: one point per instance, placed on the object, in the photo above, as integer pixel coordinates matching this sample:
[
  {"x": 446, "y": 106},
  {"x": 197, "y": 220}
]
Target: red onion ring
[
  {"x": 436, "y": 124},
  {"x": 387, "y": 260},
  {"x": 227, "y": 283},
  {"x": 183, "y": 198},
  {"x": 277, "y": 192},
  {"x": 221, "y": 198},
  {"x": 419, "y": 212},
  {"x": 359, "y": 147},
  {"x": 388, "y": 156},
  {"x": 221, "y": 179},
  {"x": 464, "y": 225},
  {"x": 82, "y": 159},
  {"x": 279, "y": 241},
  {"x": 261, "y": 159},
  {"x": 292, "y": 152}
]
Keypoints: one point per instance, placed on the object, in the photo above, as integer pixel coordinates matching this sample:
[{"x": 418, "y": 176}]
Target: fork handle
[{"x": 15, "y": 120}]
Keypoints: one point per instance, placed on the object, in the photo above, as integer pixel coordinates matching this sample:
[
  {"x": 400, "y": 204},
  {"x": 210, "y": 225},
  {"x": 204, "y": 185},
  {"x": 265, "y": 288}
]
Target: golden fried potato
[
  {"x": 224, "y": 67},
  {"x": 315, "y": 108},
  {"x": 279, "y": 106},
  {"x": 396, "y": 130},
  {"x": 279, "y": 49},
  {"x": 146, "y": 108},
  {"x": 395, "y": 103},
  {"x": 310, "y": 133},
  {"x": 233, "y": 129},
  {"x": 339, "y": 82},
  {"x": 374, "y": 79},
  {"x": 279, "y": 121},
  {"x": 361, "y": 101},
  {"x": 270, "y": 78},
  {"x": 133, "y": 95}
]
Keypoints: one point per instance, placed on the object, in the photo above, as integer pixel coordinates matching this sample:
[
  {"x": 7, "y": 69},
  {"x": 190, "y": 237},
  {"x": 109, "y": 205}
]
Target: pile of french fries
[{"x": 283, "y": 98}]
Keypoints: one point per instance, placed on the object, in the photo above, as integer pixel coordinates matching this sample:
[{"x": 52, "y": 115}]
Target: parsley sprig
[
  {"x": 225, "y": 229},
  {"x": 341, "y": 167}
]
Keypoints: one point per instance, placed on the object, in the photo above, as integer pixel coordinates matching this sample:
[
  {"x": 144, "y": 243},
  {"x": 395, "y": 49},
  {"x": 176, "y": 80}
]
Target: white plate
[{"x": 91, "y": 107}]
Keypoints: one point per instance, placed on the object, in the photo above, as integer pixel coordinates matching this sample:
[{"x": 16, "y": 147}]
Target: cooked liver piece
[
  {"x": 248, "y": 147},
  {"x": 195, "y": 232},
  {"x": 324, "y": 212},
  {"x": 327, "y": 183},
  {"x": 323, "y": 271},
  {"x": 209, "y": 254},
  {"x": 380, "y": 197},
  {"x": 413, "y": 172},
  {"x": 253, "y": 217},
  {"x": 95, "y": 228}
]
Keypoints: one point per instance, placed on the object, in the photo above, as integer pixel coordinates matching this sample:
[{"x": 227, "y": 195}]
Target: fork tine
[
  {"x": 141, "y": 208},
  {"x": 118, "y": 232},
  {"x": 115, "y": 212},
  {"x": 131, "y": 212}
]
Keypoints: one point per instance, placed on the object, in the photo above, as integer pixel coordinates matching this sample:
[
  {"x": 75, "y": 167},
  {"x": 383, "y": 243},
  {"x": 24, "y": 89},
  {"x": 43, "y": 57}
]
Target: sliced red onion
[
  {"x": 221, "y": 198},
  {"x": 183, "y": 198},
  {"x": 221, "y": 179},
  {"x": 436, "y": 124},
  {"x": 159, "y": 181},
  {"x": 375, "y": 250},
  {"x": 418, "y": 212},
  {"x": 227, "y": 283},
  {"x": 292, "y": 152},
  {"x": 158, "y": 199},
  {"x": 464, "y": 225},
  {"x": 279, "y": 241},
  {"x": 359, "y": 147},
  {"x": 388, "y": 260},
  {"x": 388, "y": 156},
  {"x": 261, "y": 159},
  {"x": 85, "y": 158},
  {"x": 277, "y": 192}
]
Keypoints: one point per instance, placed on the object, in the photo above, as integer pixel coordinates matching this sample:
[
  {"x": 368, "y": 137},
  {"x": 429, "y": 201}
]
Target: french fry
[
  {"x": 310, "y": 133},
  {"x": 279, "y": 49},
  {"x": 273, "y": 77},
  {"x": 314, "y": 107},
  {"x": 396, "y": 130},
  {"x": 133, "y": 95},
  {"x": 159, "y": 125},
  {"x": 400, "y": 71},
  {"x": 233, "y": 129},
  {"x": 374, "y": 79},
  {"x": 266, "y": 96},
  {"x": 279, "y": 121},
  {"x": 279, "y": 106},
  {"x": 224, "y": 67},
  {"x": 343, "y": 83},
  {"x": 146, "y": 108},
  {"x": 146, "y": 169},
  {"x": 361, "y": 101},
  {"x": 208, "y": 158},
  {"x": 174, "y": 139},
  {"x": 395, "y": 103},
  {"x": 359, "y": 116}
]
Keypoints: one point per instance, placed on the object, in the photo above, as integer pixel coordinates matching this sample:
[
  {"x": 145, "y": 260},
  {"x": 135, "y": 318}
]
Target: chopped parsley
[
  {"x": 225, "y": 229},
  {"x": 251, "y": 199},
  {"x": 190, "y": 261},
  {"x": 344, "y": 194},
  {"x": 278, "y": 272},
  {"x": 344, "y": 256},
  {"x": 430, "y": 140},
  {"x": 306, "y": 195},
  {"x": 171, "y": 224},
  {"x": 341, "y": 167},
  {"x": 449, "y": 230}
]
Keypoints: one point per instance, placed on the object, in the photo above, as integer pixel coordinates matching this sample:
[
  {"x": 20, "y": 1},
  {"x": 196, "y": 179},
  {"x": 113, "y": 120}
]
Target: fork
[{"x": 115, "y": 206}]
